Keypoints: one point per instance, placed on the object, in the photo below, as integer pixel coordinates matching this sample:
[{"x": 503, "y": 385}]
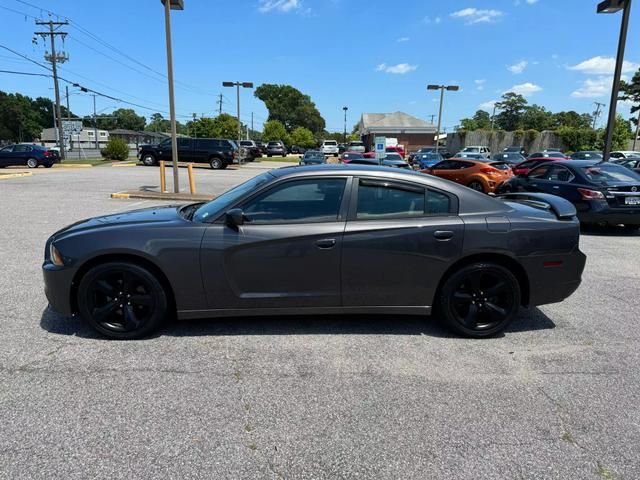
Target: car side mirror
[{"x": 234, "y": 217}]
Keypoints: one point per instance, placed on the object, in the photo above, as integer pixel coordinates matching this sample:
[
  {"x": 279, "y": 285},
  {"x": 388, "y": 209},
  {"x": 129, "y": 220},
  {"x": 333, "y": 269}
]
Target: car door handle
[
  {"x": 556, "y": 186},
  {"x": 326, "y": 243},
  {"x": 443, "y": 234}
]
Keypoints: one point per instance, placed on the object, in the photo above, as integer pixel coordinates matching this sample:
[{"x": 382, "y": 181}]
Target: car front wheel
[
  {"x": 32, "y": 163},
  {"x": 479, "y": 300},
  {"x": 148, "y": 160},
  {"x": 477, "y": 186},
  {"x": 216, "y": 163},
  {"x": 122, "y": 300}
]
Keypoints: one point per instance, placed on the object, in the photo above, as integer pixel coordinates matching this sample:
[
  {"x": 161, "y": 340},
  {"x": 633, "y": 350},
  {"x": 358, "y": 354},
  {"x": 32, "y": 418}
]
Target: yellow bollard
[
  {"x": 163, "y": 178},
  {"x": 192, "y": 181}
]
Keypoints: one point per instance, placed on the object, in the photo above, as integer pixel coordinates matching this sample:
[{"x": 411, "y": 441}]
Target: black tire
[
  {"x": 479, "y": 300},
  {"x": 148, "y": 160},
  {"x": 477, "y": 186},
  {"x": 122, "y": 300},
  {"x": 216, "y": 163},
  {"x": 32, "y": 163}
]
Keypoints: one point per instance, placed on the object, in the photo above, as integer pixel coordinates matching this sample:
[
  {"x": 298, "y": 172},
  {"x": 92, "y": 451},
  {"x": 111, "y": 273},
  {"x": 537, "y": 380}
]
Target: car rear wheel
[
  {"x": 216, "y": 163},
  {"x": 477, "y": 186},
  {"x": 32, "y": 163},
  {"x": 148, "y": 160},
  {"x": 122, "y": 300},
  {"x": 479, "y": 300}
]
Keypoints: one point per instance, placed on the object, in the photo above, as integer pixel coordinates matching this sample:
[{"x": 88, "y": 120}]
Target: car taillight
[
  {"x": 489, "y": 170},
  {"x": 591, "y": 194}
]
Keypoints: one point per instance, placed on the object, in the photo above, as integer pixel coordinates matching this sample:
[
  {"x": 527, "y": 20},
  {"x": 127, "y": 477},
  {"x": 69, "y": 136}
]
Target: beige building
[
  {"x": 410, "y": 131},
  {"x": 85, "y": 139}
]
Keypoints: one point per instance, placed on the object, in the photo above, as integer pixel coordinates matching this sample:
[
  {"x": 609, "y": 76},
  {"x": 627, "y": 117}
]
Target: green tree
[
  {"x": 572, "y": 119},
  {"x": 481, "y": 120},
  {"x": 303, "y": 137},
  {"x": 621, "y": 133},
  {"x": 630, "y": 91},
  {"x": 274, "y": 130},
  {"x": 19, "y": 120},
  {"x": 512, "y": 108},
  {"x": 157, "y": 123},
  {"x": 538, "y": 118},
  {"x": 290, "y": 107},
  {"x": 225, "y": 126}
]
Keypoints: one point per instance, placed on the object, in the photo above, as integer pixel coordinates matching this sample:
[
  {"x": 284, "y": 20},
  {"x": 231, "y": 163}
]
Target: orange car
[{"x": 483, "y": 176}]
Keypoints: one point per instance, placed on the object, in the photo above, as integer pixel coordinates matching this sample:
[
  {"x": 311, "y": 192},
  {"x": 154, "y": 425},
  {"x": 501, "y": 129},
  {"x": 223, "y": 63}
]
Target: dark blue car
[
  {"x": 427, "y": 160},
  {"x": 603, "y": 193},
  {"x": 28, "y": 155}
]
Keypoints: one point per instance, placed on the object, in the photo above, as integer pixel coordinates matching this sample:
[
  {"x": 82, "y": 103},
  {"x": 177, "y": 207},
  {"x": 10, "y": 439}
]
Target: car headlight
[{"x": 55, "y": 256}]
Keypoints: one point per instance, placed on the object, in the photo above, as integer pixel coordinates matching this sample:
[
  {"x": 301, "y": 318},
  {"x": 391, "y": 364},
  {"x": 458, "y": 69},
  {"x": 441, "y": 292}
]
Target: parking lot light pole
[
  {"x": 168, "y": 6},
  {"x": 238, "y": 85},
  {"x": 613, "y": 6},
  {"x": 442, "y": 88},
  {"x": 344, "y": 140}
]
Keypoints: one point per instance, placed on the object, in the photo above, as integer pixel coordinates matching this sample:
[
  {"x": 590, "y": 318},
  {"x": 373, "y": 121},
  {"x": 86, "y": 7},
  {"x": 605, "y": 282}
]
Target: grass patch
[
  {"x": 86, "y": 161},
  {"x": 605, "y": 473},
  {"x": 567, "y": 437}
]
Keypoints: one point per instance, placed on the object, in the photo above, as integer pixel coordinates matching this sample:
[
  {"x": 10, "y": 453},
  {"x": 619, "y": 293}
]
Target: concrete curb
[
  {"x": 118, "y": 165},
  {"x": 162, "y": 196},
  {"x": 14, "y": 175},
  {"x": 72, "y": 165}
]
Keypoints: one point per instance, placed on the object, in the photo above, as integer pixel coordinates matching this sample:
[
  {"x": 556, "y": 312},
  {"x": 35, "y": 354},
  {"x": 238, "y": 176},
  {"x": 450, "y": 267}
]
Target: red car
[
  {"x": 523, "y": 168},
  {"x": 399, "y": 149}
]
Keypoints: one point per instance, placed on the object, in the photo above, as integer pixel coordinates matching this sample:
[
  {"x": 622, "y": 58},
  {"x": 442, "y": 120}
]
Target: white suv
[
  {"x": 329, "y": 147},
  {"x": 356, "y": 147},
  {"x": 484, "y": 151}
]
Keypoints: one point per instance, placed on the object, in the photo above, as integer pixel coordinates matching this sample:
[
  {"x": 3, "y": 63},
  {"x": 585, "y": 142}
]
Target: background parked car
[
  {"x": 549, "y": 154},
  {"x": 632, "y": 163},
  {"x": 603, "y": 193},
  {"x": 426, "y": 160},
  {"x": 217, "y": 152},
  {"x": 252, "y": 150},
  {"x": 399, "y": 149},
  {"x": 356, "y": 146},
  {"x": 347, "y": 157},
  {"x": 330, "y": 147},
  {"x": 276, "y": 148},
  {"x": 483, "y": 150},
  {"x": 624, "y": 154},
  {"x": 470, "y": 155},
  {"x": 262, "y": 146},
  {"x": 526, "y": 166},
  {"x": 515, "y": 149},
  {"x": 313, "y": 157},
  {"x": 28, "y": 155},
  {"x": 296, "y": 150},
  {"x": 586, "y": 155},
  {"x": 512, "y": 158},
  {"x": 483, "y": 176}
]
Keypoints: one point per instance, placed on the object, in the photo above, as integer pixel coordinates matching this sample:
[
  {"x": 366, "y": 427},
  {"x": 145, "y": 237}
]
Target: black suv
[{"x": 217, "y": 152}]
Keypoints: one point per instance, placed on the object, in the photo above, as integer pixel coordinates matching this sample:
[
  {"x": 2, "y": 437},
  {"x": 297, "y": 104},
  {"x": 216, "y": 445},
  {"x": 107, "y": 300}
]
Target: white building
[{"x": 85, "y": 139}]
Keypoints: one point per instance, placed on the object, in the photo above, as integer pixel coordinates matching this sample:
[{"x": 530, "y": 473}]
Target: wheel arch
[
  {"x": 499, "y": 258},
  {"x": 121, "y": 257}
]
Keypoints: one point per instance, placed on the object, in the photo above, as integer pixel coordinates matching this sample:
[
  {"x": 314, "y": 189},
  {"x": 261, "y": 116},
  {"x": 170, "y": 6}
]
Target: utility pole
[
  {"x": 238, "y": 85},
  {"x": 95, "y": 123},
  {"x": 220, "y": 104},
  {"x": 433, "y": 116},
  {"x": 635, "y": 138},
  {"x": 195, "y": 132},
  {"x": 596, "y": 114},
  {"x": 54, "y": 58},
  {"x": 344, "y": 135},
  {"x": 251, "y": 124}
]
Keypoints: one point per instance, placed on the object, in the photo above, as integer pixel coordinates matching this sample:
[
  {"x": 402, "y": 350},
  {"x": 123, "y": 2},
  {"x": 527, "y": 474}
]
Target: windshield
[
  {"x": 208, "y": 209},
  {"x": 331, "y": 143},
  {"x": 309, "y": 155},
  {"x": 356, "y": 144},
  {"x": 603, "y": 173}
]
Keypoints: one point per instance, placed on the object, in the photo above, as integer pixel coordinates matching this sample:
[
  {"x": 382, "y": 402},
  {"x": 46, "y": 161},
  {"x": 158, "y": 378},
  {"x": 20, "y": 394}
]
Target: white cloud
[
  {"x": 525, "y": 89},
  {"x": 403, "y": 39},
  {"x": 488, "y": 106},
  {"x": 400, "y": 68},
  {"x": 603, "y": 66},
  {"x": 480, "y": 84},
  {"x": 429, "y": 20},
  {"x": 594, "y": 88},
  {"x": 474, "y": 15},
  {"x": 518, "y": 67},
  {"x": 279, "y": 5}
]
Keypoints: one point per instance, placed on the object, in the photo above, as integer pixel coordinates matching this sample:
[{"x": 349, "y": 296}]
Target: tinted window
[
  {"x": 184, "y": 142},
  {"x": 603, "y": 173},
  {"x": 7, "y": 149},
  {"x": 22, "y": 148},
  {"x": 540, "y": 172},
  {"x": 559, "y": 173},
  {"x": 313, "y": 200},
  {"x": 446, "y": 165},
  {"x": 206, "y": 144},
  {"x": 386, "y": 201},
  {"x": 331, "y": 142},
  {"x": 437, "y": 203}
]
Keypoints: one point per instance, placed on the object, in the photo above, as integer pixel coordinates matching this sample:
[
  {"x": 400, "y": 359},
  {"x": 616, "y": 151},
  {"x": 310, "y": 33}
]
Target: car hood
[{"x": 145, "y": 216}]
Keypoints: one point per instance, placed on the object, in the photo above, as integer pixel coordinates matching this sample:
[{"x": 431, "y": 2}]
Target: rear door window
[
  {"x": 381, "y": 200},
  {"x": 184, "y": 143}
]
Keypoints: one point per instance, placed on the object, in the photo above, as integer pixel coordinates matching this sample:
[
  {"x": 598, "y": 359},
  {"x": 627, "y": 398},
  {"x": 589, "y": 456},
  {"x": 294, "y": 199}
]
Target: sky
[{"x": 371, "y": 56}]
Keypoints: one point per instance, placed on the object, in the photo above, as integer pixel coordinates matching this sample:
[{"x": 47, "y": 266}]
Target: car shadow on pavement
[
  {"x": 528, "y": 320},
  {"x": 615, "y": 231}
]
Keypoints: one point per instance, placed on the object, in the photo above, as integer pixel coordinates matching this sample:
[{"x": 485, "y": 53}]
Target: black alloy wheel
[
  {"x": 122, "y": 300},
  {"x": 477, "y": 186},
  {"x": 480, "y": 300}
]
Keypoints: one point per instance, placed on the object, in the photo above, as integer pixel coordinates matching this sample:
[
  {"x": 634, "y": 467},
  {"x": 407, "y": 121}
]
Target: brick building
[{"x": 410, "y": 131}]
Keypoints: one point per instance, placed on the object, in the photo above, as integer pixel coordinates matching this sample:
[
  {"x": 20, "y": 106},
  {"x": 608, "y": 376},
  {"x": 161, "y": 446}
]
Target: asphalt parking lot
[{"x": 556, "y": 397}]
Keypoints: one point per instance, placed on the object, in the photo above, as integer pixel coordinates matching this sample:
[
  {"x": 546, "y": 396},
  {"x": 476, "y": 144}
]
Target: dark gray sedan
[{"x": 320, "y": 240}]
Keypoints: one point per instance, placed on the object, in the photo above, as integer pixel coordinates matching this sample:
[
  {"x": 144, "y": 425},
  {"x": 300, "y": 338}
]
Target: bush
[
  {"x": 116, "y": 149},
  {"x": 576, "y": 139}
]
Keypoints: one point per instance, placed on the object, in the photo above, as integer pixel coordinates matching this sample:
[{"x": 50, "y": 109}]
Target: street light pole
[
  {"x": 344, "y": 140},
  {"x": 442, "y": 88},
  {"x": 168, "y": 6},
  {"x": 613, "y": 6},
  {"x": 238, "y": 85},
  {"x": 635, "y": 138}
]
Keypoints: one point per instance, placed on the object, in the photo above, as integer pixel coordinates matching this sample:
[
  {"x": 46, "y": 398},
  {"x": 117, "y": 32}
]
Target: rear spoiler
[{"x": 563, "y": 209}]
